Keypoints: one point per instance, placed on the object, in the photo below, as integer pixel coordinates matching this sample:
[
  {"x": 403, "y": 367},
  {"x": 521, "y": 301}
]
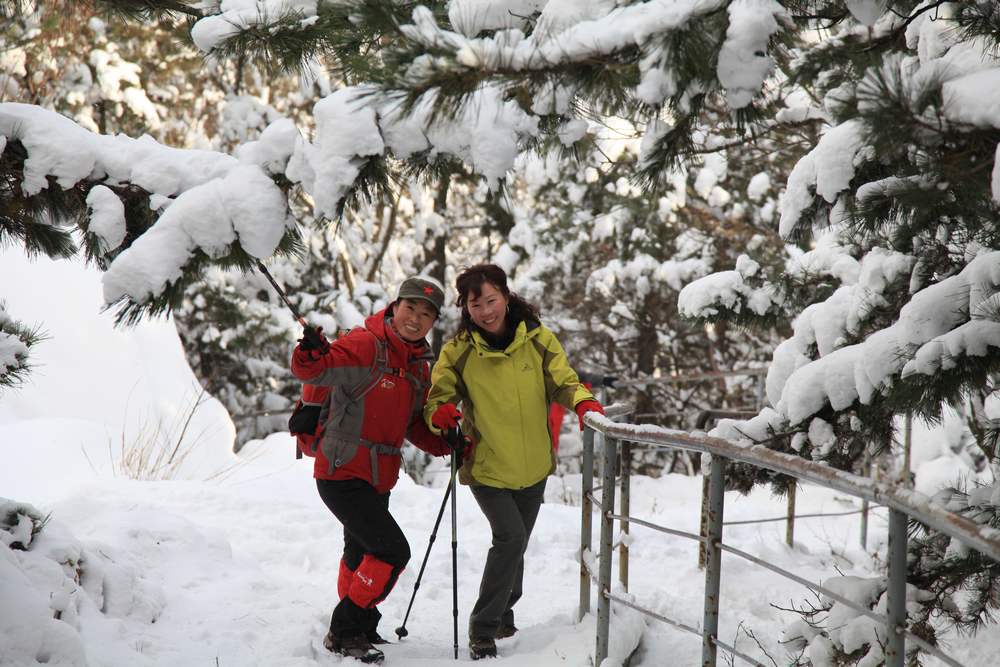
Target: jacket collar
[{"x": 526, "y": 330}]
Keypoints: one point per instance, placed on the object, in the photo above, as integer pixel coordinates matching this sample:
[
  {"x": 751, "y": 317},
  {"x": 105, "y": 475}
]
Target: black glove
[
  {"x": 609, "y": 381},
  {"x": 313, "y": 339},
  {"x": 304, "y": 419},
  {"x": 460, "y": 443}
]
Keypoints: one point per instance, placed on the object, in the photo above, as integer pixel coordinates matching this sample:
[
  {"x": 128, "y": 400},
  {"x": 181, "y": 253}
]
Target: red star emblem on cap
[{"x": 428, "y": 290}]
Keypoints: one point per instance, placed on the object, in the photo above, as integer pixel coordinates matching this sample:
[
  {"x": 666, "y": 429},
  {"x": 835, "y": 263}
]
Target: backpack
[
  {"x": 309, "y": 414},
  {"x": 305, "y": 421}
]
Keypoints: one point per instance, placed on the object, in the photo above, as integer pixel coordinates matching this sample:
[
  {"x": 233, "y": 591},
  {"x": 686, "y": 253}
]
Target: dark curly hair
[{"x": 469, "y": 284}]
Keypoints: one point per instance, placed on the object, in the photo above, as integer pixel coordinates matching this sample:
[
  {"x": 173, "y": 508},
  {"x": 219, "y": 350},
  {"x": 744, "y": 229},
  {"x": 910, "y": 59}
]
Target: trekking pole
[
  {"x": 281, "y": 293},
  {"x": 456, "y": 451},
  {"x": 298, "y": 316},
  {"x": 401, "y": 631}
]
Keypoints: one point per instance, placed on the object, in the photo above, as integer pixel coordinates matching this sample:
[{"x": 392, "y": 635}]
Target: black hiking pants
[
  {"x": 369, "y": 529},
  {"x": 512, "y": 514}
]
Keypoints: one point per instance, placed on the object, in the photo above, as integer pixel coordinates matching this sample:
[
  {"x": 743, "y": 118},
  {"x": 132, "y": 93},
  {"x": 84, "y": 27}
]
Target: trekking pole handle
[{"x": 456, "y": 440}]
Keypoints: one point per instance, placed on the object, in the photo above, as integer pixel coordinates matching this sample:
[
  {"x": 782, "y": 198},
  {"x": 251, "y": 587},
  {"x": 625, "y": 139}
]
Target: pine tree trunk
[
  {"x": 437, "y": 257},
  {"x": 647, "y": 347}
]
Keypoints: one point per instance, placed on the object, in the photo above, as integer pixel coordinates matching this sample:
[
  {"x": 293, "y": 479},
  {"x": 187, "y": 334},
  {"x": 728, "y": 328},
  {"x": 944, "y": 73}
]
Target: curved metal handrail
[
  {"x": 982, "y": 538},
  {"x": 617, "y": 410},
  {"x": 902, "y": 503}
]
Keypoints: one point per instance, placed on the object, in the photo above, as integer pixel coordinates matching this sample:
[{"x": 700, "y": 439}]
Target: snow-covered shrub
[
  {"x": 948, "y": 584},
  {"x": 963, "y": 585},
  {"x": 19, "y": 523},
  {"x": 54, "y": 585},
  {"x": 158, "y": 451},
  {"x": 831, "y": 633}
]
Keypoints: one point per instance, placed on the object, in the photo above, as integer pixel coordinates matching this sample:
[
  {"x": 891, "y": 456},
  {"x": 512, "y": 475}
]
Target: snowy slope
[
  {"x": 94, "y": 387},
  {"x": 244, "y": 571}
]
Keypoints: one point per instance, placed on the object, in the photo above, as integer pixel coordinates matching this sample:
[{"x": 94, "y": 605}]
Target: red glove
[
  {"x": 446, "y": 417},
  {"x": 583, "y": 407}
]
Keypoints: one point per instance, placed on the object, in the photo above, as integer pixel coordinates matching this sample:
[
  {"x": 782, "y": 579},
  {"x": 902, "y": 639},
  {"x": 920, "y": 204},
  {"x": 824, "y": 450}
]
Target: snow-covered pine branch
[
  {"x": 830, "y": 174},
  {"x": 15, "y": 344},
  {"x": 219, "y": 208},
  {"x": 594, "y": 58},
  {"x": 599, "y": 30},
  {"x": 732, "y": 292},
  {"x": 289, "y": 35},
  {"x": 212, "y": 207},
  {"x": 150, "y": 9}
]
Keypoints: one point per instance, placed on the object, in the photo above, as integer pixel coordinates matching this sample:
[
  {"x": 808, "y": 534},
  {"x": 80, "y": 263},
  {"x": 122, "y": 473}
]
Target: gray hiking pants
[{"x": 512, "y": 514}]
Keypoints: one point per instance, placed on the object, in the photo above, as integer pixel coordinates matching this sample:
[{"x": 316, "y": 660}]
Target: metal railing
[{"x": 900, "y": 501}]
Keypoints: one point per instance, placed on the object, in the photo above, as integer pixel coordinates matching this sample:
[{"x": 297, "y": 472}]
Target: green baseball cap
[{"x": 422, "y": 287}]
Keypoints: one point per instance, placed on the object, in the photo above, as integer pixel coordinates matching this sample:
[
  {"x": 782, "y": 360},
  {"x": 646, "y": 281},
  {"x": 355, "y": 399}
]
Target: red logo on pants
[{"x": 372, "y": 581}]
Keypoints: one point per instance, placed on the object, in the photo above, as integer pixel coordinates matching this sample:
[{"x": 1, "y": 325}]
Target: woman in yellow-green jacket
[{"x": 504, "y": 368}]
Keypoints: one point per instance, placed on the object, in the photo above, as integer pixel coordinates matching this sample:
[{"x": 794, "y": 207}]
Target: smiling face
[
  {"x": 413, "y": 318},
  {"x": 488, "y": 309}
]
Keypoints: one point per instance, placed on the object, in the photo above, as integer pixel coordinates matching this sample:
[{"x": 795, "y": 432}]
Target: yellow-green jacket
[{"x": 505, "y": 397}]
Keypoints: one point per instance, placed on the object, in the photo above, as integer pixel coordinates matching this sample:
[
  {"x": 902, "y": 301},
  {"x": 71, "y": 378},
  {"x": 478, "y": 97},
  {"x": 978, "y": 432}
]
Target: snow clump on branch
[
  {"x": 214, "y": 200},
  {"x": 927, "y": 335},
  {"x": 237, "y": 15},
  {"x": 598, "y": 28}
]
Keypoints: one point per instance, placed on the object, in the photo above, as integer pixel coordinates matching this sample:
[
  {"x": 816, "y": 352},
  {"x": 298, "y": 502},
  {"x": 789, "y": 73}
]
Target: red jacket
[{"x": 356, "y": 434}]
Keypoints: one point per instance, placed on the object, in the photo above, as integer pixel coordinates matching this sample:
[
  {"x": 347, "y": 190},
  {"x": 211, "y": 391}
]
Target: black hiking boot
[
  {"x": 357, "y": 647},
  {"x": 506, "y": 631},
  {"x": 482, "y": 647}
]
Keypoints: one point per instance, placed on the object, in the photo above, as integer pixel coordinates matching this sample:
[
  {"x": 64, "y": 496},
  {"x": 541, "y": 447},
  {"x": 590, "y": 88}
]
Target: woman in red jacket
[{"x": 375, "y": 382}]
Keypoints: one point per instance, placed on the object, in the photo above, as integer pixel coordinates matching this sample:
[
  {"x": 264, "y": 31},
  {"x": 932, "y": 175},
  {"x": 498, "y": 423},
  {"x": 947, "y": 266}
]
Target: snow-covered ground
[{"x": 234, "y": 561}]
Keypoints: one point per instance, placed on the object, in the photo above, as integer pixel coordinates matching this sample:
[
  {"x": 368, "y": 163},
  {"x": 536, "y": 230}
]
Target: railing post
[
  {"x": 867, "y": 467},
  {"x": 790, "y": 520},
  {"x": 907, "y": 446},
  {"x": 625, "y": 503},
  {"x": 586, "y": 518},
  {"x": 607, "y": 537},
  {"x": 703, "y": 521},
  {"x": 896, "y": 593},
  {"x": 713, "y": 560},
  {"x": 599, "y": 450}
]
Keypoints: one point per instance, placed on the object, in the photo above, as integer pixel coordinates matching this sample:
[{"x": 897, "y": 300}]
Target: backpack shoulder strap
[{"x": 380, "y": 365}]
